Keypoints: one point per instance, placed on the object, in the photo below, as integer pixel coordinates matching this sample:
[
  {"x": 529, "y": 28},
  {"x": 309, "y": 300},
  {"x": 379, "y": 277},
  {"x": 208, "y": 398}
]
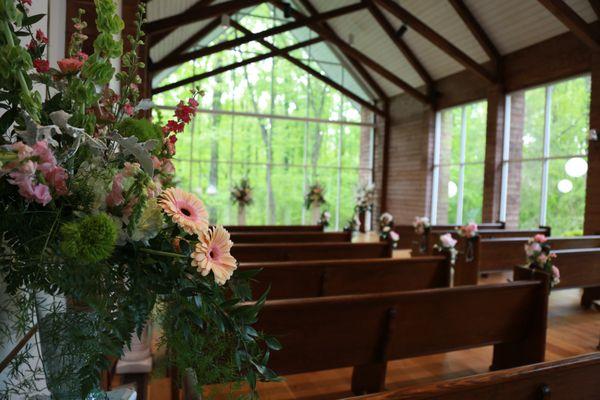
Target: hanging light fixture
[{"x": 401, "y": 31}]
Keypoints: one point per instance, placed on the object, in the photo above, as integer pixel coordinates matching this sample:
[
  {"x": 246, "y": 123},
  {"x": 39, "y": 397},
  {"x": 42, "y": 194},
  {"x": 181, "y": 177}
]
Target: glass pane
[
  {"x": 323, "y": 144},
  {"x": 476, "y": 121},
  {"x": 288, "y": 142},
  {"x": 447, "y": 194},
  {"x": 249, "y": 138},
  {"x": 356, "y": 146},
  {"x": 351, "y": 179},
  {"x": 328, "y": 178},
  {"x": 473, "y": 193},
  {"x": 256, "y": 213},
  {"x": 450, "y": 139},
  {"x": 288, "y": 186},
  {"x": 566, "y": 199},
  {"x": 290, "y": 89},
  {"x": 533, "y": 132},
  {"x": 530, "y": 192},
  {"x": 570, "y": 117}
]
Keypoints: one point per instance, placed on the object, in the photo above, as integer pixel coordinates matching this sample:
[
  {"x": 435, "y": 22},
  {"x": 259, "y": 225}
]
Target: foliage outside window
[
  {"x": 275, "y": 124},
  {"x": 459, "y": 164},
  {"x": 545, "y": 163}
]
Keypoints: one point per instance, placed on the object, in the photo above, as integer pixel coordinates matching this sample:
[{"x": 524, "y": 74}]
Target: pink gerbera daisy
[
  {"x": 185, "y": 209},
  {"x": 212, "y": 253}
]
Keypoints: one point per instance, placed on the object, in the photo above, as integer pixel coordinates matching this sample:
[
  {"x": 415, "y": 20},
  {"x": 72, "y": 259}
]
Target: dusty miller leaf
[{"x": 141, "y": 151}]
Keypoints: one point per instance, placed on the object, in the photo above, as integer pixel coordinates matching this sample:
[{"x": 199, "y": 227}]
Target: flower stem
[{"x": 162, "y": 253}]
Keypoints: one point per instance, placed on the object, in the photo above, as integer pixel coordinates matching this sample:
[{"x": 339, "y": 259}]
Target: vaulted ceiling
[{"x": 500, "y": 27}]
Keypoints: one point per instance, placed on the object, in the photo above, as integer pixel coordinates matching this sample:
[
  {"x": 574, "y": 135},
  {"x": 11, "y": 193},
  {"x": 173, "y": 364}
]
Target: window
[
  {"x": 459, "y": 164},
  {"x": 274, "y": 123},
  {"x": 545, "y": 157}
]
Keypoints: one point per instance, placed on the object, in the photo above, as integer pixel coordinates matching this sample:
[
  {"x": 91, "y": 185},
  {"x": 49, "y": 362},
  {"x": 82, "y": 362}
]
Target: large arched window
[{"x": 274, "y": 123}]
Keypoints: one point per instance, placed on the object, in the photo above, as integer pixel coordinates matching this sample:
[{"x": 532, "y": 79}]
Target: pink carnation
[
  {"x": 23, "y": 151},
  {"x": 46, "y": 160},
  {"x": 57, "y": 178},
  {"x": 540, "y": 238}
]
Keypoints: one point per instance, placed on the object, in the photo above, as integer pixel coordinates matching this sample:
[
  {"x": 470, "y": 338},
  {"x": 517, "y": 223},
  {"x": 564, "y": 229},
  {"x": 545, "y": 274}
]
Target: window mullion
[
  {"x": 546, "y": 155},
  {"x": 505, "y": 158},
  {"x": 461, "y": 176},
  {"x": 436, "y": 166}
]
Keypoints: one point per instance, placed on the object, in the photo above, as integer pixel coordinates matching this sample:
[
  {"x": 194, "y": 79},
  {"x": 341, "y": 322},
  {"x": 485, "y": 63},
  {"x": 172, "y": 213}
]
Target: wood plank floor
[{"x": 571, "y": 331}]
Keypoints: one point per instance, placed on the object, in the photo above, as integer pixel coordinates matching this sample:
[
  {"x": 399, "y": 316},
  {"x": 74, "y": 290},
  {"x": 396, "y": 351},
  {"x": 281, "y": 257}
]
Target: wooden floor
[{"x": 571, "y": 331}]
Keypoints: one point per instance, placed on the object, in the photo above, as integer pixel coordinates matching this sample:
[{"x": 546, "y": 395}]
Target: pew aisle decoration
[
  {"x": 469, "y": 232},
  {"x": 313, "y": 200},
  {"x": 422, "y": 226},
  {"x": 540, "y": 257},
  {"x": 447, "y": 244},
  {"x": 324, "y": 219},
  {"x": 386, "y": 229},
  {"x": 241, "y": 194},
  {"x": 89, "y": 216},
  {"x": 365, "y": 200}
]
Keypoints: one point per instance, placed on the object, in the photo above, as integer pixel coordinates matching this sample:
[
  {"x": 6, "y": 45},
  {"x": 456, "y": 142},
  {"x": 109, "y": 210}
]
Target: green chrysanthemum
[
  {"x": 90, "y": 239},
  {"x": 143, "y": 129}
]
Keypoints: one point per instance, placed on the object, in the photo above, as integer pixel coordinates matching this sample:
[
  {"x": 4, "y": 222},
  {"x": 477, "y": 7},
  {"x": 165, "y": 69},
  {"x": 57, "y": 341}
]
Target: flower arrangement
[
  {"x": 241, "y": 194},
  {"x": 89, "y": 215},
  {"x": 447, "y": 244},
  {"x": 539, "y": 257},
  {"x": 386, "y": 228},
  {"x": 365, "y": 197},
  {"x": 353, "y": 224},
  {"x": 468, "y": 231},
  {"x": 324, "y": 219},
  {"x": 315, "y": 197},
  {"x": 421, "y": 225}
]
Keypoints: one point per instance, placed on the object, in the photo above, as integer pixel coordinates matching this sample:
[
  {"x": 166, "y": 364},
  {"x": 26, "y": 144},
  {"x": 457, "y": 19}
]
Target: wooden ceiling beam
[
  {"x": 478, "y": 32},
  {"x": 573, "y": 21},
  {"x": 181, "y": 58},
  {"x": 220, "y": 70},
  {"x": 437, "y": 39},
  {"x": 400, "y": 44},
  {"x": 351, "y": 52},
  {"x": 314, "y": 73},
  {"x": 195, "y": 8},
  {"x": 356, "y": 64},
  {"x": 202, "y": 13}
]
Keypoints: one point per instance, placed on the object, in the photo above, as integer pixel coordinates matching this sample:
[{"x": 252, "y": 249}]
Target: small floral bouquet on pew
[
  {"x": 421, "y": 225},
  {"x": 447, "y": 244},
  {"x": 353, "y": 224},
  {"x": 365, "y": 198},
  {"x": 325, "y": 218},
  {"x": 540, "y": 257},
  {"x": 468, "y": 231},
  {"x": 241, "y": 194},
  {"x": 386, "y": 228},
  {"x": 94, "y": 241},
  {"x": 315, "y": 197}
]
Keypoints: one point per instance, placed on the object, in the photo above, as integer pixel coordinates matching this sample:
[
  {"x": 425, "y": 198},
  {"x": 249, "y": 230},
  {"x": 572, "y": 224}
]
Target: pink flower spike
[
  {"x": 128, "y": 109},
  {"x": 57, "y": 178},
  {"x": 115, "y": 197}
]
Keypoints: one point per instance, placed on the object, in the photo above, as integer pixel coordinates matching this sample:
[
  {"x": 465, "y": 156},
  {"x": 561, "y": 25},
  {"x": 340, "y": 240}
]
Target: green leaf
[
  {"x": 273, "y": 343},
  {"x": 32, "y": 19}
]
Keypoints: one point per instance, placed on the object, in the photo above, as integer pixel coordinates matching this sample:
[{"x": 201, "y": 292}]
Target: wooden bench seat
[
  {"x": 408, "y": 236},
  {"x": 427, "y": 242},
  {"x": 366, "y": 331},
  {"x": 579, "y": 268},
  {"x": 300, "y": 279},
  {"x": 567, "y": 379},
  {"x": 502, "y": 254},
  {"x": 310, "y": 251},
  {"x": 274, "y": 228},
  {"x": 290, "y": 237}
]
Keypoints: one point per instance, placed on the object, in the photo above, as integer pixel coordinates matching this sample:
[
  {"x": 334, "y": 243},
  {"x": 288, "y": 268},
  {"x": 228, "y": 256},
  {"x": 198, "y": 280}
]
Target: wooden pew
[
  {"x": 274, "y": 228},
  {"x": 366, "y": 331},
  {"x": 428, "y": 241},
  {"x": 567, "y": 379},
  {"x": 408, "y": 236},
  {"x": 502, "y": 254},
  {"x": 301, "y": 279},
  {"x": 310, "y": 251},
  {"x": 579, "y": 268},
  {"x": 290, "y": 237}
]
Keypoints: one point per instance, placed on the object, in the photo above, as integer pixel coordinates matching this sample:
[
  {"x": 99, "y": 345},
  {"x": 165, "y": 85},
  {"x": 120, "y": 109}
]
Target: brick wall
[
  {"x": 517, "y": 123},
  {"x": 410, "y": 159}
]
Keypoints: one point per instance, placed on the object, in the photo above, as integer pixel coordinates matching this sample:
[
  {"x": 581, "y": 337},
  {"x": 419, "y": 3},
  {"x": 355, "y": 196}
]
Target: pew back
[
  {"x": 301, "y": 279},
  {"x": 290, "y": 237},
  {"x": 341, "y": 331},
  {"x": 559, "y": 379},
  {"x": 408, "y": 236},
  {"x": 274, "y": 228},
  {"x": 310, "y": 251}
]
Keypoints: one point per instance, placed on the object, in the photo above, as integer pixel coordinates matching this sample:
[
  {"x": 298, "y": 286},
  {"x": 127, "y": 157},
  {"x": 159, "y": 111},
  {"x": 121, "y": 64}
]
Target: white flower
[{"x": 447, "y": 240}]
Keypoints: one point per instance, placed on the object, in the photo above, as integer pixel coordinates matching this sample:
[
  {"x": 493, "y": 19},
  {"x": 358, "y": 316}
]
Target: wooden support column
[
  {"x": 492, "y": 176},
  {"x": 592, "y": 204},
  {"x": 385, "y": 167}
]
